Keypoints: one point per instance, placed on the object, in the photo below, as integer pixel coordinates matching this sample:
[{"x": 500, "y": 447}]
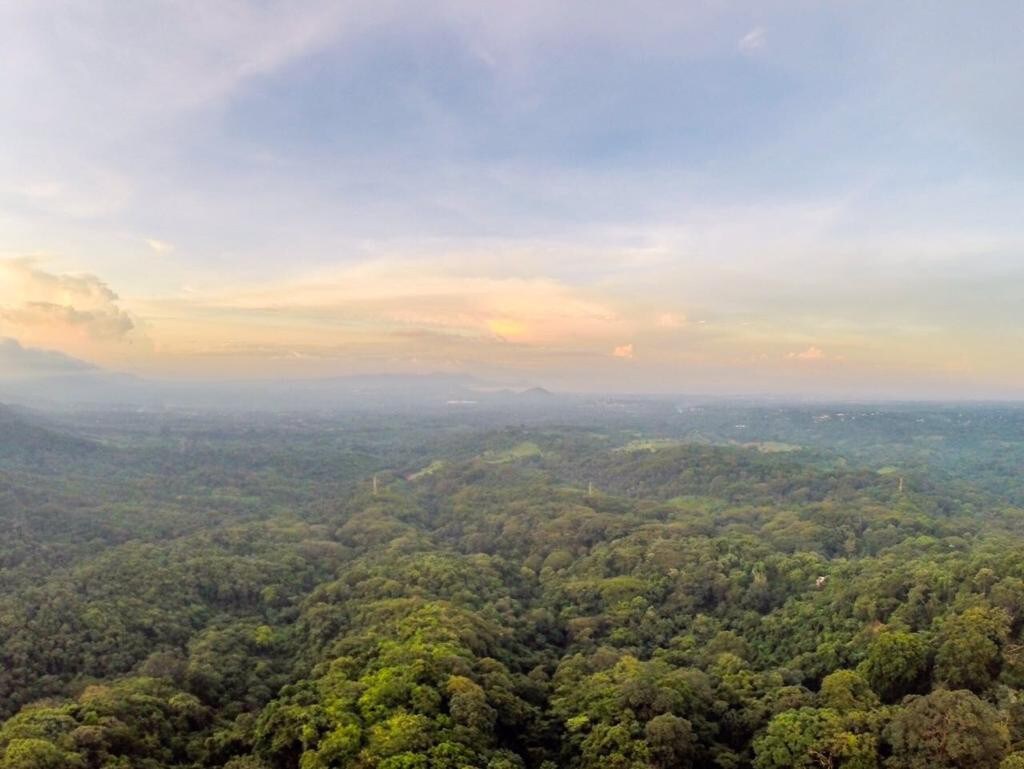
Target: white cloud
[
  {"x": 160, "y": 246},
  {"x": 623, "y": 351},
  {"x": 752, "y": 42}
]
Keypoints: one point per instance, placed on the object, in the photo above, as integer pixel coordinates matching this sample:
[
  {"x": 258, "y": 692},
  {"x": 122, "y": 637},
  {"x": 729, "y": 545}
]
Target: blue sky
[{"x": 785, "y": 196}]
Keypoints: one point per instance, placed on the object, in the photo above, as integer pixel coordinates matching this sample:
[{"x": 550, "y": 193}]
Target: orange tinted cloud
[
  {"x": 385, "y": 314},
  {"x": 623, "y": 351},
  {"x": 76, "y": 313},
  {"x": 811, "y": 353}
]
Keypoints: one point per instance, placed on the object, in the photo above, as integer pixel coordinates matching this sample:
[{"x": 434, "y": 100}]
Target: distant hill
[
  {"x": 47, "y": 379},
  {"x": 17, "y": 360},
  {"x": 377, "y": 392},
  {"x": 537, "y": 394},
  {"x": 29, "y": 440}
]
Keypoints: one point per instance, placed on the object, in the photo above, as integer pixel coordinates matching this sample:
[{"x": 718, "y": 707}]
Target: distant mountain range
[
  {"x": 48, "y": 379},
  {"x": 17, "y": 361}
]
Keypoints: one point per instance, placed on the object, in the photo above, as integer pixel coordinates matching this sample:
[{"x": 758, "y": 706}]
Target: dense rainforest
[{"x": 609, "y": 584}]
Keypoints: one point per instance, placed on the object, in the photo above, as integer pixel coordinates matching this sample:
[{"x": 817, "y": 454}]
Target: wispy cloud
[
  {"x": 812, "y": 353},
  {"x": 670, "y": 320},
  {"x": 185, "y": 59},
  {"x": 429, "y": 294},
  {"x": 755, "y": 40},
  {"x": 160, "y": 246}
]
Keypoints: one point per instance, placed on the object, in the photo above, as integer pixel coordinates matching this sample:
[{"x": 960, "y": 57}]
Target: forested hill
[
  {"x": 302, "y": 593},
  {"x": 29, "y": 440}
]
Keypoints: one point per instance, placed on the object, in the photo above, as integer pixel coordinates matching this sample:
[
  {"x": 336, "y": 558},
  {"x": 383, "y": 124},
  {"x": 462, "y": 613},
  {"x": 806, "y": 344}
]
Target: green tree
[
  {"x": 896, "y": 664},
  {"x": 670, "y": 741},
  {"x": 810, "y": 738},
  {"x": 970, "y": 648},
  {"x": 846, "y": 690},
  {"x": 34, "y": 753},
  {"x": 947, "y": 730}
]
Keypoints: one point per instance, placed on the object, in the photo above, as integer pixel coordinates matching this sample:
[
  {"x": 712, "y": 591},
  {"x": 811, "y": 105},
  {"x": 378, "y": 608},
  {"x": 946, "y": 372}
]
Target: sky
[{"x": 717, "y": 197}]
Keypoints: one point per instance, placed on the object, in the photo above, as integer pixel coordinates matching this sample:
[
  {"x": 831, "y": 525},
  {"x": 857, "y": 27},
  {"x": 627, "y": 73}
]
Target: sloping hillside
[{"x": 29, "y": 440}]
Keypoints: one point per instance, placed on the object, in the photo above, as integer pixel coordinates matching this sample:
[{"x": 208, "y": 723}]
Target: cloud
[
  {"x": 54, "y": 308},
  {"x": 670, "y": 320},
  {"x": 274, "y": 137},
  {"x": 752, "y": 42},
  {"x": 185, "y": 59},
  {"x": 812, "y": 353},
  {"x": 396, "y": 295},
  {"x": 160, "y": 246},
  {"x": 623, "y": 351},
  {"x": 181, "y": 55},
  {"x": 19, "y": 361},
  {"x": 386, "y": 314},
  {"x": 507, "y": 328},
  {"x": 100, "y": 324}
]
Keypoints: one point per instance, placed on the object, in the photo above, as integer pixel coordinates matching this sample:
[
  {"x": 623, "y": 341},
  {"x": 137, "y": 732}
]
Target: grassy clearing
[{"x": 523, "y": 450}]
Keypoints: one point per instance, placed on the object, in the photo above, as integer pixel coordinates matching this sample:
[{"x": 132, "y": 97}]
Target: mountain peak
[{"x": 18, "y": 361}]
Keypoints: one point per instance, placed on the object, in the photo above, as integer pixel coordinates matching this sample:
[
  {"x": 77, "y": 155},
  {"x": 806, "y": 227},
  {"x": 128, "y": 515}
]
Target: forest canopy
[{"x": 638, "y": 586}]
